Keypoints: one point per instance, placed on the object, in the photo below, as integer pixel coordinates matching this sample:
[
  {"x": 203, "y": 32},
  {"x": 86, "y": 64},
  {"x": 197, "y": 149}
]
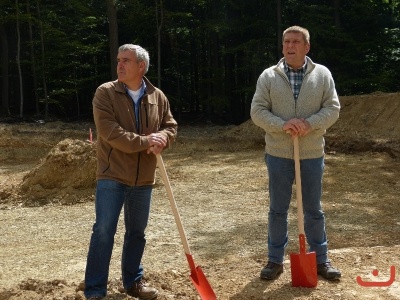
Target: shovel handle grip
[
  {"x": 300, "y": 214},
  {"x": 172, "y": 201}
]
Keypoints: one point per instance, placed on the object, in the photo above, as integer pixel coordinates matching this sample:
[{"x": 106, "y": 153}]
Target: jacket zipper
[
  {"x": 147, "y": 125},
  {"x": 283, "y": 75},
  {"x": 140, "y": 133},
  {"x": 138, "y": 128}
]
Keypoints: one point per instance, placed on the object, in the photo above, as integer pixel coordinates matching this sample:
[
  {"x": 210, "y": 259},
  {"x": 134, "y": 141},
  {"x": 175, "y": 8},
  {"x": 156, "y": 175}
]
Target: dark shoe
[
  {"x": 141, "y": 291},
  {"x": 328, "y": 272},
  {"x": 271, "y": 271}
]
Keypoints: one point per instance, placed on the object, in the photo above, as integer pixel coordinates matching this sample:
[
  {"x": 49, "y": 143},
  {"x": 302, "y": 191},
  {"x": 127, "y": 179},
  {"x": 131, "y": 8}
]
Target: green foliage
[{"x": 212, "y": 51}]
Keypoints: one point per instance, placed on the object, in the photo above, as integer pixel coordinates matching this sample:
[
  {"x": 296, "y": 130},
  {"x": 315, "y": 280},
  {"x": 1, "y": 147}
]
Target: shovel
[
  {"x": 303, "y": 266},
  {"x": 198, "y": 278}
]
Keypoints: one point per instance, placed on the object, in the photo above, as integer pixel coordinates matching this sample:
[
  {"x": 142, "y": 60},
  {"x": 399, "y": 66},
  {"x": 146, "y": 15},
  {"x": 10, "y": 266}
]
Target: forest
[{"x": 206, "y": 55}]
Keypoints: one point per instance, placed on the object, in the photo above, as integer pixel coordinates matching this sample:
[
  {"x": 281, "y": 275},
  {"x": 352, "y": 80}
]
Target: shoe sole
[
  {"x": 272, "y": 277},
  {"x": 150, "y": 297},
  {"x": 331, "y": 278}
]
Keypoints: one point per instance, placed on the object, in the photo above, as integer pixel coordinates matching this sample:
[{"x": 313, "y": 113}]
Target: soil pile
[
  {"x": 367, "y": 123},
  {"x": 65, "y": 176}
]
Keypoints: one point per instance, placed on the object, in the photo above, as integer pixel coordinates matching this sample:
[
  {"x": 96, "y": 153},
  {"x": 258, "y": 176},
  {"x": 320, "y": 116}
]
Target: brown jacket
[{"x": 121, "y": 149}]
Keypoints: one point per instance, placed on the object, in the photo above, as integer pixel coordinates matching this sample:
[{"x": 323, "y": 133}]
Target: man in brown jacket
[{"x": 133, "y": 122}]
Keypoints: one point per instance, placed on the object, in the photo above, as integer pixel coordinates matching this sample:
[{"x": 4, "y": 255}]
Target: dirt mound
[
  {"x": 375, "y": 116},
  {"x": 31, "y": 141},
  {"x": 248, "y": 134},
  {"x": 367, "y": 123},
  {"x": 66, "y": 175}
]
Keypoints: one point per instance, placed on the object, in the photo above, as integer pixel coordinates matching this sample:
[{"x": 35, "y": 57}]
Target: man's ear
[
  {"x": 142, "y": 65},
  {"x": 308, "y": 48}
]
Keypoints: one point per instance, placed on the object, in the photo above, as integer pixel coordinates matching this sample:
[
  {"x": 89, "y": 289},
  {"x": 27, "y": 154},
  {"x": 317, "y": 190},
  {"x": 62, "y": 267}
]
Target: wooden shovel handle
[
  {"x": 300, "y": 214},
  {"x": 171, "y": 197}
]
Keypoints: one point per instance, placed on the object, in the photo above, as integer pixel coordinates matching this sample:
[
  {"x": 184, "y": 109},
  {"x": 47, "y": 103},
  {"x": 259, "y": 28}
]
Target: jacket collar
[
  {"x": 281, "y": 65},
  {"x": 120, "y": 87}
]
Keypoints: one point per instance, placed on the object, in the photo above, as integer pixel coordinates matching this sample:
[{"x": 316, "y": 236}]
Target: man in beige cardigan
[{"x": 295, "y": 97}]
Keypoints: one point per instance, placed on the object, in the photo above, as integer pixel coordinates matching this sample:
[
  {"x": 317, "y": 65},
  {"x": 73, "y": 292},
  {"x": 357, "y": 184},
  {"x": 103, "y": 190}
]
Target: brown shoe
[{"x": 140, "y": 290}]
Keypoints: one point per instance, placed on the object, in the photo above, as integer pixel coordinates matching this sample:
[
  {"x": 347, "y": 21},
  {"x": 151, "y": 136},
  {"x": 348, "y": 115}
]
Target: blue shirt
[{"x": 136, "y": 98}]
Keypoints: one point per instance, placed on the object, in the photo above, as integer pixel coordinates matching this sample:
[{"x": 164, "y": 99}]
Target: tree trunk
[
  {"x": 4, "y": 70},
  {"x": 336, "y": 4},
  {"x": 113, "y": 36},
  {"x": 46, "y": 97},
  {"x": 33, "y": 61},
  {"x": 195, "y": 61},
  {"x": 78, "y": 106},
  {"x": 230, "y": 58},
  {"x": 21, "y": 91},
  {"x": 159, "y": 20},
  {"x": 279, "y": 28}
]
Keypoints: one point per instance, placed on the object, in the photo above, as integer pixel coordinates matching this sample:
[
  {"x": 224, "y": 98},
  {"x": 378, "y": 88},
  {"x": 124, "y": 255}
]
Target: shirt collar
[
  {"x": 289, "y": 69},
  {"x": 142, "y": 89}
]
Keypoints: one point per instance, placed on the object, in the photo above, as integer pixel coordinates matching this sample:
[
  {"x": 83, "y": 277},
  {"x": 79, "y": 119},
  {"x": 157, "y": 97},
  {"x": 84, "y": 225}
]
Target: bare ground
[{"x": 220, "y": 182}]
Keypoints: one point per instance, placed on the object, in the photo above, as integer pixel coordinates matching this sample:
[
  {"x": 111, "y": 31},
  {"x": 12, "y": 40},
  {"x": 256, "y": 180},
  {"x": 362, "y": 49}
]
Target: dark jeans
[
  {"x": 281, "y": 177},
  {"x": 110, "y": 197}
]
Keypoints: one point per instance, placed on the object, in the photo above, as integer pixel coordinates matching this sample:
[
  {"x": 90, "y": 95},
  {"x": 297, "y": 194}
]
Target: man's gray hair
[{"x": 141, "y": 54}]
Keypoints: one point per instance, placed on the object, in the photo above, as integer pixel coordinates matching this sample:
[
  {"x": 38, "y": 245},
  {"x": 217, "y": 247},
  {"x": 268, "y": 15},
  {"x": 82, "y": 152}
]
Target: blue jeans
[
  {"x": 110, "y": 197},
  {"x": 281, "y": 175}
]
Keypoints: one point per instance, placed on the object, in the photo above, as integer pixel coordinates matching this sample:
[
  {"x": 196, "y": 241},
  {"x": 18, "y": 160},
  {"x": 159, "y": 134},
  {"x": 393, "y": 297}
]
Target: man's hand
[
  {"x": 155, "y": 150},
  {"x": 298, "y": 127},
  {"x": 157, "y": 143}
]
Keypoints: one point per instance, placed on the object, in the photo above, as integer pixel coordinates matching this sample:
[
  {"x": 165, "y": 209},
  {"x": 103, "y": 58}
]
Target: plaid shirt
[{"x": 295, "y": 77}]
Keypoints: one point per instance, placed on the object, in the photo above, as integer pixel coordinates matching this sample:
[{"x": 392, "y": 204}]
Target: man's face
[
  {"x": 128, "y": 69},
  {"x": 295, "y": 49}
]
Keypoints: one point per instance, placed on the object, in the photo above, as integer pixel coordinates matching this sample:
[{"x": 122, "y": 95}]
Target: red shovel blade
[
  {"x": 303, "y": 266},
  {"x": 200, "y": 281}
]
